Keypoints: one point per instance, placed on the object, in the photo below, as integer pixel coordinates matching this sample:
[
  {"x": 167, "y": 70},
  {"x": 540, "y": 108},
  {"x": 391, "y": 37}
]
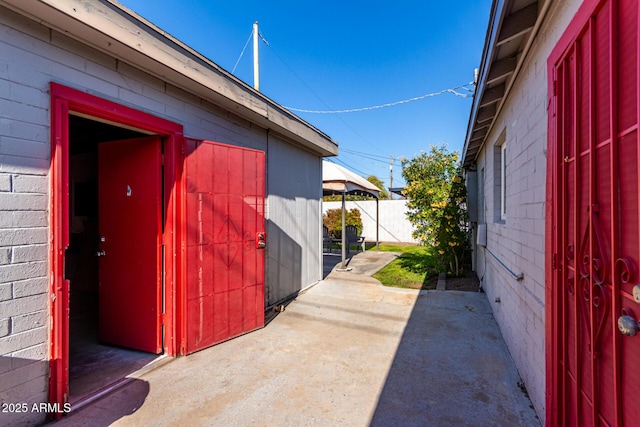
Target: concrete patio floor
[{"x": 347, "y": 352}]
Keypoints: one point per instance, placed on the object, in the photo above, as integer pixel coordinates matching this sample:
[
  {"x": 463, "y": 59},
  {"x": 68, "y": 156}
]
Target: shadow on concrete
[
  {"x": 274, "y": 307},
  {"x": 284, "y": 276},
  {"x": 110, "y": 408},
  {"x": 452, "y": 367},
  {"x": 24, "y": 398},
  {"x": 23, "y": 389},
  {"x": 329, "y": 261}
]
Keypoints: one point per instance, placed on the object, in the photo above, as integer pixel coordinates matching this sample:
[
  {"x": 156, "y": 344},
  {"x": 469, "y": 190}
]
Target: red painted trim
[
  {"x": 82, "y": 102},
  {"x": 59, "y": 238},
  {"x": 616, "y": 306},
  {"x": 551, "y": 339},
  {"x": 181, "y": 181},
  {"x": 63, "y": 101},
  {"x": 574, "y": 29}
]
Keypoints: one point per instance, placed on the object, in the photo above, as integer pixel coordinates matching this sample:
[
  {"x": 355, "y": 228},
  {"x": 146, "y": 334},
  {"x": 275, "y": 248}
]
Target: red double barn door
[
  {"x": 593, "y": 226},
  {"x": 225, "y": 239}
]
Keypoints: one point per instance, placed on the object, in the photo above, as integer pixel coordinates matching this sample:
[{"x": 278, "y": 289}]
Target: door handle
[
  {"x": 627, "y": 325},
  {"x": 101, "y": 253}
]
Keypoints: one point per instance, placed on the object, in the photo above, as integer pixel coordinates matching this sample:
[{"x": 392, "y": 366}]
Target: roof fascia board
[
  {"x": 501, "y": 69},
  {"x": 518, "y": 23},
  {"x": 497, "y": 14},
  {"x": 492, "y": 95},
  {"x": 113, "y": 29},
  {"x": 521, "y": 59}
]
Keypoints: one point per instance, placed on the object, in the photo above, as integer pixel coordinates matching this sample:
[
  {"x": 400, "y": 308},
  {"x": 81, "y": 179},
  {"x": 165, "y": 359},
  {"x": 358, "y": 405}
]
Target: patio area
[{"x": 347, "y": 352}]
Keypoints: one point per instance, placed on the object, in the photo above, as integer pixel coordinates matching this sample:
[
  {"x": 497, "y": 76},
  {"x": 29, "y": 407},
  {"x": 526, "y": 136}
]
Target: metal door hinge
[{"x": 261, "y": 238}]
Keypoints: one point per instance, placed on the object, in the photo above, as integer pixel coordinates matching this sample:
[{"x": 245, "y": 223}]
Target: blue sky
[{"x": 336, "y": 55}]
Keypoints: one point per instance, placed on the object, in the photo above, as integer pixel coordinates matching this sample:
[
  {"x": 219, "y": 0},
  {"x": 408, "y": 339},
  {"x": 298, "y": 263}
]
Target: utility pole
[
  {"x": 390, "y": 176},
  {"x": 256, "y": 65}
]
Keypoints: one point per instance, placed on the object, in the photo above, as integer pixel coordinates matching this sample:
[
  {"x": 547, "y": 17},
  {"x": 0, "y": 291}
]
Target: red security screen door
[
  {"x": 130, "y": 198},
  {"x": 594, "y": 227},
  {"x": 225, "y": 242}
]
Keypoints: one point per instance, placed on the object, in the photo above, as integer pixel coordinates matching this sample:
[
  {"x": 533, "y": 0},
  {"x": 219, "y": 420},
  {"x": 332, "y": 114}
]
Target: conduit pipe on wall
[{"x": 519, "y": 277}]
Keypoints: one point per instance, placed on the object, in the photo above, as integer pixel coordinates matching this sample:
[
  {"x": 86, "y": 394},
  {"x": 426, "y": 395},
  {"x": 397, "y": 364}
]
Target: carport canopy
[{"x": 339, "y": 180}]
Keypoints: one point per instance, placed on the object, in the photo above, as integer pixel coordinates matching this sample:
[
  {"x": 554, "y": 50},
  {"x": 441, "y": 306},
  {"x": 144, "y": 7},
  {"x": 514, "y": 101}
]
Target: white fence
[{"x": 394, "y": 225}]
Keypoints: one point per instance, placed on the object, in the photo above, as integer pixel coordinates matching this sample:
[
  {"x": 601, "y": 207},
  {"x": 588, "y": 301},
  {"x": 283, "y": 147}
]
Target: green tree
[
  {"x": 332, "y": 219},
  {"x": 452, "y": 234},
  {"x": 378, "y": 183},
  {"x": 436, "y": 204}
]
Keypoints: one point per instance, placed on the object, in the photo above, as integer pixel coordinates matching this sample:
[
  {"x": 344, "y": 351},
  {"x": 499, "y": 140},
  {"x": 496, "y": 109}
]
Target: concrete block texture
[
  {"x": 23, "y": 202},
  {"x": 29, "y": 253},
  {"x": 29, "y": 321},
  {"x": 5, "y": 291},
  {"x": 23, "y": 382},
  {"x": 22, "y": 340},
  {"x": 5, "y": 327},
  {"x": 22, "y": 271},
  {"x": 5, "y": 182},
  {"x": 21, "y": 306},
  {"x": 5, "y": 256},
  {"x": 30, "y": 184}
]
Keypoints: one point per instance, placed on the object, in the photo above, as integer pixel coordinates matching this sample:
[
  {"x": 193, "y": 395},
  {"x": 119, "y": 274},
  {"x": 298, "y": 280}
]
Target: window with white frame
[
  {"x": 503, "y": 181},
  {"x": 500, "y": 180}
]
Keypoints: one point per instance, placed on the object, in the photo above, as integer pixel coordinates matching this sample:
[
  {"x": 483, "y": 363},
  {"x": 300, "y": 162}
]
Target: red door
[
  {"x": 594, "y": 225},
  {"x": 225, "y": 242},
  {"x": 130, "y": 197}
]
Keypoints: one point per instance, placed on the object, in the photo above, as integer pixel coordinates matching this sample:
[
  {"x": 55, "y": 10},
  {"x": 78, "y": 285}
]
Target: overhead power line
[
  {"x": 348, "y": 166},
  {"x": 453, "y": 91},
  {"x": 375, "y": 162},
  {"x": 311, "y": 90},
  {"x": 242, "y": 53},
  {"x": 375, "y": 157},
  {"x": 245, "y": 48}
]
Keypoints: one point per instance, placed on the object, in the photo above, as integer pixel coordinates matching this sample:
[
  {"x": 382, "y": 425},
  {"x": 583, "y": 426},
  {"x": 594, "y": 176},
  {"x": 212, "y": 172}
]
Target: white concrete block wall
[
  {"x": 394, "y": 225},
  {"x": 31, "y": 56},
  {"x": 24, "y": 162},
  {"x": 518, "y": 241}
]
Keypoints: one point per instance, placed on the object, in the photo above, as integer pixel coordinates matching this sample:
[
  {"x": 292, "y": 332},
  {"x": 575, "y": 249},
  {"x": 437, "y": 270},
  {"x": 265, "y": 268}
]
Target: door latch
[
  {"x": 261, "y": 240},
  {"x": 636, "y": 293},
  {"x": 627, "y": 325}
]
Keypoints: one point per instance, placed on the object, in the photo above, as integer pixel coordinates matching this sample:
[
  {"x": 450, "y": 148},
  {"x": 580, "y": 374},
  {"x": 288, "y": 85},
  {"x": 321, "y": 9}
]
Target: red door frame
[
  {"x": 63, "y": 101},
  {"x": 553, "y": 275}
]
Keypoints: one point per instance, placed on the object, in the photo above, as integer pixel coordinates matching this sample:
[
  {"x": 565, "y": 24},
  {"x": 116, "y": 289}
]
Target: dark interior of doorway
[{"x": 93, "y": 366}]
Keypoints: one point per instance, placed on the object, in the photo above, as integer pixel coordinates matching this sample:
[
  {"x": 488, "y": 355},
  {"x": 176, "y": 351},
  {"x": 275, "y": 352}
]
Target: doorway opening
[
  {"x": 85, "y": 116},
  {"x": 95, "y": 362}
]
